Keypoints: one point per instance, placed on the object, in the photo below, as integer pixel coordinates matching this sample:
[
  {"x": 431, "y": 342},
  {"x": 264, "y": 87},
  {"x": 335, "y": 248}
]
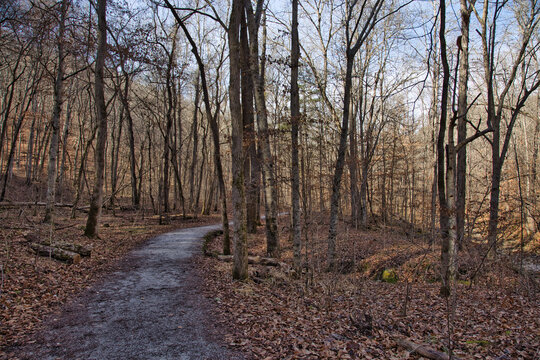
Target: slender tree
[
  {"x": 269, "y": 177},
  {"x": 461, "y": 169},
  {"x": 96, "y": 201},
  {"x": 357, "y": 29},
  {"x": 497, "y": 98},
  {"x": 52, "y": 170},
  {"x": 295, "y": 123},
  {"x": 212, "y": 118}
]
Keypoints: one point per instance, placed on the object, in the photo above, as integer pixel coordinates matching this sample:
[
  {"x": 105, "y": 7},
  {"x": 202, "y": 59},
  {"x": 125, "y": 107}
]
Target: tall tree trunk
[
  {"x": 461, "y": 170},
  {"x": 55, "y": 119},
  {"x": 295, "y": 124},
  {"x": 62, "y": 174},
  {"x": 30, "y": 149},
  {"x": 444, "y": 209},
  {"x": 251, "y": 176},
  {"x": 269, "y": 183},
  {"x": 353, "y": 173},
  {"x": 135, "y": 199},
  {"x": 340, "y": 162},
  {"x": 92, "y": 223},
  {"x": 240, "y": 265},
  {"x": 195, "y": 149},
  {"x": 115, "y": 152},
  {"x": 164, "y": 215},
  {"x": 355, "y": 40}
]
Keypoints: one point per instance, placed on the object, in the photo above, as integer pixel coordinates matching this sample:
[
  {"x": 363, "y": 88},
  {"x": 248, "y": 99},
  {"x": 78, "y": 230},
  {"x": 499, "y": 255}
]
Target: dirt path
[{"x": 151, "y": 308}]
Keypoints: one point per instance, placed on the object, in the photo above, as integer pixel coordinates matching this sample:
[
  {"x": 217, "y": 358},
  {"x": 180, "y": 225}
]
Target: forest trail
[{"x": 152, "y": 307}]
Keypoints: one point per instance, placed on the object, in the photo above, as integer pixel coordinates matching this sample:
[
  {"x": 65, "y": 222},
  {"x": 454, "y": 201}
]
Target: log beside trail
[
  {"x": 424, "y": 350},
  {"x": 254, "y": 260},
  {"x": 67, "y": 256},
  {"x": 76, "y": 248}
]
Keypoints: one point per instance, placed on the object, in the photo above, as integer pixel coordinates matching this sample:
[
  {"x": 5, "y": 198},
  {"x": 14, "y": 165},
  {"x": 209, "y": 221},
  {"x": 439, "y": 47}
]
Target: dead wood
[
  {"x": 66, "y": 256},
  {"x": 254, "y": 260},
  {"x": 76, "y": 248},
  {"x": 423, "y": 350}
]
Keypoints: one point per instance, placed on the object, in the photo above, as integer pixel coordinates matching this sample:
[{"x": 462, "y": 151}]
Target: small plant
[{"x": 389, "y": 276}]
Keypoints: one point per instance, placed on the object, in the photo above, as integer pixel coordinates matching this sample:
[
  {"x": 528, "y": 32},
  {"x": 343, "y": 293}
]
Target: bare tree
[
  {"x": 357, "y": 29},
  {"x": 295, "y": 122},
  {"x": 269, "y": 183},
  {"x": 530, "y": 80},
  {"x": 212, "y": 118},
  {"x": 92, "y": 223},
  {"x": 55, "y": 119},
  {"x": 238, "y": 190}
]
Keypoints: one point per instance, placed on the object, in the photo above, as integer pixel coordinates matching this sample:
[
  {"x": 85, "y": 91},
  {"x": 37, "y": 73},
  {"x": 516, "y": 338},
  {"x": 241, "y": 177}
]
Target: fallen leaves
[
  {"x": 353, "y": 316},
  {"x": 34, "y": 287}
]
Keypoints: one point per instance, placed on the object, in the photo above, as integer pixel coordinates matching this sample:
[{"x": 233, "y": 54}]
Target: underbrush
[{"x": 386, "y": 288}]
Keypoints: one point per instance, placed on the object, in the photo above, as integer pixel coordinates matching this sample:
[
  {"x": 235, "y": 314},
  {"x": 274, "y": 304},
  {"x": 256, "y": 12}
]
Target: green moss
[
  {"x": 464, "y": 282},
  {"x": 478, "y": 342},
  {"x": 389, "y": 276}
]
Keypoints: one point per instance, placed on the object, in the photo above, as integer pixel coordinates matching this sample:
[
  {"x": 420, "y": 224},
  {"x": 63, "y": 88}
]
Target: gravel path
[{"x": 151, "y": 308}]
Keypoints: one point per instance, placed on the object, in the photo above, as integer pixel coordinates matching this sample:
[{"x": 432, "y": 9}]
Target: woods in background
[{"x": 372, "y": 112}]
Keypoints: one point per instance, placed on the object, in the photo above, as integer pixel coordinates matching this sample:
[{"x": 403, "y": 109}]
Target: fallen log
[
  {"x": 6, "y": 204},
  {"x": 423, "y": 350},
  {"x": 254, "y": 260},
  {"x": 66, "y": 256},
  {"x": 76, "y": 248}
]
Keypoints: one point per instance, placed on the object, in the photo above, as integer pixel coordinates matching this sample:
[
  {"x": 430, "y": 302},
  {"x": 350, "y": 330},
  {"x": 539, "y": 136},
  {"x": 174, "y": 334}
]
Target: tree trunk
[
  {"x": 164, "y": 214},
  {"x": 251, "y": 175},
  {"x": 92, "y": 223},
  {"x": 240, "y": 265},
  {"x": 30, "y": 150},
  {"x": 135, "y": 199},
  {"x": 269, "y": 183},
  {"x": 295, "y": 124},
  {"x": 115, "y": 152},
  {"x": 214, "y": 125},
  {"x": 462, "y": 122},
  {"x": 67, "y": 124}
]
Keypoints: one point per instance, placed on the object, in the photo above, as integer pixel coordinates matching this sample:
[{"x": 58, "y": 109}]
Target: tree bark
[
  {"x": 67, "y": 256},
  {"x": 195, "y": 151},
  {"x": 135, "y": 199},
  {"x": 214, "y": 128},
  {"x": 92, "y": 223},
  {"x": 164, "y": 215},
  {"x": 269, "y": 183},
  {"x": 251, "y": 168},
  {"x": 444, "y": 209},
  {"x": 461, "y": 171},
  {"x": 295, "y": 124},
  {"x": 240, "y": 265}
]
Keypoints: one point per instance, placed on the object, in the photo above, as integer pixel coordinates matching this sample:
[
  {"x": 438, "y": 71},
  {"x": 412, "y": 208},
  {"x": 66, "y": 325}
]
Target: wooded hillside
[{"x": 323, "y": 118}]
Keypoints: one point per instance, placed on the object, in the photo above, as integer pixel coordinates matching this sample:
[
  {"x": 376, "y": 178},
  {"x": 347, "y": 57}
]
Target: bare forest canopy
[{"x": 422, "y": 113}]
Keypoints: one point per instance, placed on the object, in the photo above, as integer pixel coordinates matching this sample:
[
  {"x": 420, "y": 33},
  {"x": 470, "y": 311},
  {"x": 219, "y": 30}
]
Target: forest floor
[
  {"x": 34, "y": 288},
  {"x": 281, "y": 315},
  {"x": 150, "y": 307},
  {"x": 355, "y": 314}
]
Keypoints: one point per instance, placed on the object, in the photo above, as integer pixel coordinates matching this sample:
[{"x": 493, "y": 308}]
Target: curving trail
[{"x": 151, "y": 308}]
